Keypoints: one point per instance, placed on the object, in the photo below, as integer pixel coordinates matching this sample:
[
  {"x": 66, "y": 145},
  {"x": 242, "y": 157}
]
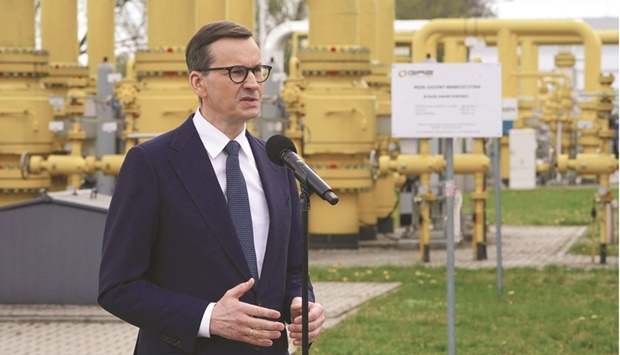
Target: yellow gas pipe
[
  {"x": 65, "y": 71},
  {"x": 425, "y": 193},
  {"x": 69, "y": 80},
  {"x": 424, "y": 165},
  {"x": 376, "y": 23},
  {"x": 478, "y": 196},
  {"x": 506, "y": 32},
  {"x": 101, "y": 29},
  {"x": 556, "y": 112},
  {"x": 338, "y": 116},
  {"x": 455, "y": 51},
  {"x": 25, "y": 111},
  {"x": 366, "y": 198},
  {"x": 601, "y": 163},
  {"x": 473, "y": 27}
]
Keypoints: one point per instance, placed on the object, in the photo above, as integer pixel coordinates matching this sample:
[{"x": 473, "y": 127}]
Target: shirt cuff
[{"x": 204, "y": 330}]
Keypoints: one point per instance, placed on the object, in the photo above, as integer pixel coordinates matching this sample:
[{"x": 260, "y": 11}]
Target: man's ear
[{"x": 198, "y": 84}]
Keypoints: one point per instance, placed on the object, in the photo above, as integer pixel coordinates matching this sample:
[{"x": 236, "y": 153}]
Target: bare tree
[
  {"x": 426, "y": 10},
  {"x": 285, "y": 10},
  {"x": 130, "y": 26}
]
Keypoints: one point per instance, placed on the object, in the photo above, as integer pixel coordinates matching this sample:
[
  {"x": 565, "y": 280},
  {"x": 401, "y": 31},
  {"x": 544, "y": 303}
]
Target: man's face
[{"x": 226, "y": 102}]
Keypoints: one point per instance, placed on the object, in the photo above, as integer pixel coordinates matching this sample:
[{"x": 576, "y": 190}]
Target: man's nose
[{"x": 251, "y": 81}]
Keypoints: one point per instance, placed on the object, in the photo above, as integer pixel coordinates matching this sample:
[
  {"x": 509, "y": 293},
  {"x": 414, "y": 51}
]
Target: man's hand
[
  {"x": 316, "y": 318},
  {"x": 236, "y": 320}
]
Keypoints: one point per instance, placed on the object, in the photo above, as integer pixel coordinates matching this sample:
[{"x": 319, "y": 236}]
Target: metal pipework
[
  {"x": 100, "y": 34},
  {"x": 57, "y": 165},
  {"x": 477, "y": 163},
  {"x": 558, "y": 114},
  {"x": 556, "y": 111},
  {"x": 471, "y": 163},
  {"x": 240, "y": 11},
  {"x": 479, "y": 196},
  {"x": 18, "y": 16},
  {"x": 591, "y": 163},
  {"x": 507, "y": 34},
  {"x": 602, "y": 165},
  {"x": 405, "y": 164},
  {"x": 108, "y": 164},
  {"x": 338, "y": 117},
  {"x": 65, "y": 71},
  {"x": 591, "y": 40},
  {"x": 376, "y": 20},
  {"x": 56, "y": 35},
  {"x": 604, "y": 108},
  {"x": 163, "y": 98},
  {"x": 72, "y": 164},
  {"x": 379, "y": 82},
  {"x": 424, "y": 165},
  {"x": 25, "y": 111}
]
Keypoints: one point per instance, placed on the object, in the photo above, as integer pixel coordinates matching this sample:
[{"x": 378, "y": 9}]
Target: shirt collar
[{"x": 214, "y": 140}]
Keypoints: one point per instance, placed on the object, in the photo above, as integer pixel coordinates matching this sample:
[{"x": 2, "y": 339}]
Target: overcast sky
[{"x": 536, "y": 9}]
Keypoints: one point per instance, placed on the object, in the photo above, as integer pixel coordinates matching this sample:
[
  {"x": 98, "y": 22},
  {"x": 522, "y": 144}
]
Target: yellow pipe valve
[
  {"x": 111, "y": 164},
  {"x": 588, "y": 164},
  {"x": 58, "y": 164},
  {"x": 471, "y": 163},
  {"x": 412, "y": 164},
  {"x": 399, "y": 180},
  {"x": 35, "y": 164}
]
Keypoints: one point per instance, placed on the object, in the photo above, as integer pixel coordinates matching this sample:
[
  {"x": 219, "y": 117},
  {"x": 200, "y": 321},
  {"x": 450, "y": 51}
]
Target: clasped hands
[{"x": 236, "y": 320}]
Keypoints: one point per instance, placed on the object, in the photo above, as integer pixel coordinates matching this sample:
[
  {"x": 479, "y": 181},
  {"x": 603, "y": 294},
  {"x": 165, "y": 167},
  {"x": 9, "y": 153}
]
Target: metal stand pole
[
  {"x": 450, "y": 191},
  {"x": 498, "y": 213},
  {"x": 305, "y": 207}
]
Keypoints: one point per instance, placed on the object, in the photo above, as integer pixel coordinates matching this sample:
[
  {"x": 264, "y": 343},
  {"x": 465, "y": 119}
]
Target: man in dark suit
[{"x": 173, "y": 263}]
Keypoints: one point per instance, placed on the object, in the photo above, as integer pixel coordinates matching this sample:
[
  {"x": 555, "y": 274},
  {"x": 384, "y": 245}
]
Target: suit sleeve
[{"x": 130, "y": 232}]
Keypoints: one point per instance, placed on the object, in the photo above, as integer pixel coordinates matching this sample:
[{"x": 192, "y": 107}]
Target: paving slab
[{"x": 73, "y": 329}]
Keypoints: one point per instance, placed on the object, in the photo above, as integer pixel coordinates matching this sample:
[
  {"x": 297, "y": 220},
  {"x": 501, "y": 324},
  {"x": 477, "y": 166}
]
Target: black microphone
[{"x": 281, "y": 151}]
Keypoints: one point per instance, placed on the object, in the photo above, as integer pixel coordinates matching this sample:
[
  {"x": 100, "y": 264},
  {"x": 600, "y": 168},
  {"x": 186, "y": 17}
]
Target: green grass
[
  {"x": 550, "y": 206},
  {"x": 550, "y": 311},
  {"x": 588, "y": 244},
  {"x": 544, "y": 206}
]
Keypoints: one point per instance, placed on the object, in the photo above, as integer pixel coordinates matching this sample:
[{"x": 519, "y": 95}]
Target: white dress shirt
[{"x": 214, "y": 142}]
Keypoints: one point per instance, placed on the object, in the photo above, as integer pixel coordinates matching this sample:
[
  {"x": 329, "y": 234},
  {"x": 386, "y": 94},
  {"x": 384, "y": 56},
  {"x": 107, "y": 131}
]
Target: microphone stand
[{"x": 305, "y": 207}]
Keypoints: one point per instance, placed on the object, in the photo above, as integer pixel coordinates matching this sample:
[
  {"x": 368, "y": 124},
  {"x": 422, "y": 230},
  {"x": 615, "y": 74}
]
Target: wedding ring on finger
[{"x": 251, "y": 331}]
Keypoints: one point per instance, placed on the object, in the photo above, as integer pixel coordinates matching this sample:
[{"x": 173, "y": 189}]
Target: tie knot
[{"x": 232, "y": 148}]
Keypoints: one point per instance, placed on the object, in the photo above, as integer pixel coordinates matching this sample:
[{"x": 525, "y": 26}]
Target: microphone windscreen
[{"x": 276, "y": 145}]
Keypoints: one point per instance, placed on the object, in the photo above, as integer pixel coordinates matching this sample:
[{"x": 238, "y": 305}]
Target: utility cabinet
[
  {"x": 50, "y": 248},
  {"x": 522, "y": 158}
]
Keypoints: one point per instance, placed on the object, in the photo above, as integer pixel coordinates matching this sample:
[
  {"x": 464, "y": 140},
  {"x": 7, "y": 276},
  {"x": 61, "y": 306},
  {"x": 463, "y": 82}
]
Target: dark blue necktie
[{"x": 239, "y": 205}]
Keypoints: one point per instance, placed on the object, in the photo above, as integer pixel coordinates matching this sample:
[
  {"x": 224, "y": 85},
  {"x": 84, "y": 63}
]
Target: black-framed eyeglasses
[{"x": 239, "y": 73}]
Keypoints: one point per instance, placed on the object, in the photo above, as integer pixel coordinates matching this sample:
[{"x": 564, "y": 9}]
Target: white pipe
[
  {"x": 262, "y": 10},
  {"x": 275, "y": 42}
]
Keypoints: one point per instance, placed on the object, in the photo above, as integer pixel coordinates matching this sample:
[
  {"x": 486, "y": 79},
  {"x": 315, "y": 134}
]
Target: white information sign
[{"x": 446, "y": 100}]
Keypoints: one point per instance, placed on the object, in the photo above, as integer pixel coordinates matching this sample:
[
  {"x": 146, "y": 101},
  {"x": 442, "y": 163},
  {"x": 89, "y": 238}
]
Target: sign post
[{"x": 438, "y": 100}]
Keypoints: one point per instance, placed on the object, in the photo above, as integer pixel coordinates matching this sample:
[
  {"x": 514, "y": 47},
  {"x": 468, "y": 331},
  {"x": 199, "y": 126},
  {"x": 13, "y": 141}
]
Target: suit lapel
[{"x": 191, "y": 162}]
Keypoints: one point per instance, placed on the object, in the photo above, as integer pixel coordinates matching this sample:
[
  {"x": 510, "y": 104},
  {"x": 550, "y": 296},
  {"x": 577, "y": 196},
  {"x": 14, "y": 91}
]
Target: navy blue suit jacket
[{"x": 170, "y": 247}]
